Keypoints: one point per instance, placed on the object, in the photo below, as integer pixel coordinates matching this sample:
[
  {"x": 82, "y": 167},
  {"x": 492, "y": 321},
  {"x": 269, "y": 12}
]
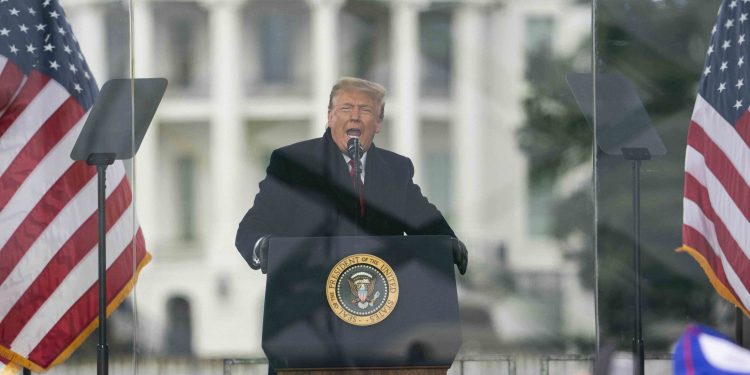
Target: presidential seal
[{"x": 362, "y": 289}]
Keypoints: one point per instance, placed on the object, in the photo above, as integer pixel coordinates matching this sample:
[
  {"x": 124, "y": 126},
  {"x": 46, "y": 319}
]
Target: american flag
[
  {"x": 716, "y": 205},
  {"x": 48, "y": 203}
]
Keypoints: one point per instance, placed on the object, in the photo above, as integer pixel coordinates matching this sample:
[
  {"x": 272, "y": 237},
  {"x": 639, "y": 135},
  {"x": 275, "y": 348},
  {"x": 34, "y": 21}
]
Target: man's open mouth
[{"x": 353, "y": 133}]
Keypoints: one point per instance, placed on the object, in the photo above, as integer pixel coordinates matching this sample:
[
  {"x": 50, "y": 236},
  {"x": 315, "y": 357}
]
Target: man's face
[{"x": 354, "y": 112}]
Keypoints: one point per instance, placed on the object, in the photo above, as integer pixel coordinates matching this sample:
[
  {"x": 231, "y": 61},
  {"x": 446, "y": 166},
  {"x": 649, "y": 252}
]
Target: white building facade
[{"x": 248, "y": 76}]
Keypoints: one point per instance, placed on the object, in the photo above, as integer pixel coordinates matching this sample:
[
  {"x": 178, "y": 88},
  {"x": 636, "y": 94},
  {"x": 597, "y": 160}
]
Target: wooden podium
[{"x": 361, "y": 305}]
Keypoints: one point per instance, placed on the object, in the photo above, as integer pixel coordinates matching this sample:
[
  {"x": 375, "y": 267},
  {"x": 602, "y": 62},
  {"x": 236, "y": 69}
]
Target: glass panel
[
  {"x": 476, "y": 98},
  {"x": 54, "y": 62},
  {"x": 659, "y": 47},
  {"x": 549, "y": 282}
]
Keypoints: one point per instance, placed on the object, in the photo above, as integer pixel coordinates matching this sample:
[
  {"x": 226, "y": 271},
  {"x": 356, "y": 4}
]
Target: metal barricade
[
  {"x": 545, "y": 360},
  {"x": 230, "y": 362},
  {"x": 510, "y": 360},
  {"x": 461, "y": 362}
]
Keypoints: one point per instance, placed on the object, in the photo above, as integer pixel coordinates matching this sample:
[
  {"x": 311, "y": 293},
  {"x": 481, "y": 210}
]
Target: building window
[
  {"x": 435, "y": 47},
  {"x": 182, "y": 49},
  {"x": 539, "y": 33},
  {"x": 365, "y": 40},
  {"x": 185, "y": 149},
  {"x": 264, "y": 136},
  {"x": 541, "y": 202},
  {"x": 182, "y": 43},
  {"x": 438, "y": 165},
  {"x": 276, "y": 46},
  {"x": 178, "y": 339},
  {"x": 186, "y": 196},
  {"x": 438, "y": 178}
]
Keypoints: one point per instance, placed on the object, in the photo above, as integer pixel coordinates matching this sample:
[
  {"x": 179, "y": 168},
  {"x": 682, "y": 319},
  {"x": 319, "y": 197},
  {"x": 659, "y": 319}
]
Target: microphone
[
  {"x": 354, "y": 148},
  {"x": 355, "y": 151}
]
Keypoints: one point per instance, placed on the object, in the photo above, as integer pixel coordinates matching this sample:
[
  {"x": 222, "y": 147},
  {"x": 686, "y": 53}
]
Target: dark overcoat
[{"x": 308, "y": 192}]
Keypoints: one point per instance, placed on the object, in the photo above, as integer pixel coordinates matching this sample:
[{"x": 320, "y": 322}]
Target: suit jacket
[{"x": 308, "y": 192}]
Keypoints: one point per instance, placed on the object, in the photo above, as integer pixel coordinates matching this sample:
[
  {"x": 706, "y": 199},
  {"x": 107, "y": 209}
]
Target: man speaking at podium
[{"x": 341, "y": 184}]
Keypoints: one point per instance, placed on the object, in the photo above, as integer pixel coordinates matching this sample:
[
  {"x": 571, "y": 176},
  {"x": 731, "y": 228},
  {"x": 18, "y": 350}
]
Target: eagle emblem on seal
[
  {"x": 362, "y": 289},
  {"x": 362, "y": 285}
]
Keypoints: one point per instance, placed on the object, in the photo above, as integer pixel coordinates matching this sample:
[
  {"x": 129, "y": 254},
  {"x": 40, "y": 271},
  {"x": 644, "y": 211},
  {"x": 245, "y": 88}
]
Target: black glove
[
  {"x": 460, "y": 255},
  {"x": 260, "y": 254}
]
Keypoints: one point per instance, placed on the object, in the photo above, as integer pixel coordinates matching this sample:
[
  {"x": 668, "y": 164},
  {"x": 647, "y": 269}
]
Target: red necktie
[{"x": 353, "y": 175}]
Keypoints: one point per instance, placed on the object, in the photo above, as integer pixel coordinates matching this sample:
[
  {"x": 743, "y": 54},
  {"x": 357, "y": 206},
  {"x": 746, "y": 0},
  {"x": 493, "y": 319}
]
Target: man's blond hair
[{"x": 373, "y": 89}]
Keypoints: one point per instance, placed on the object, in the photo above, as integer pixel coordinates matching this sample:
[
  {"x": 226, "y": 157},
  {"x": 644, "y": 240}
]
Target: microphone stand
[{"x": 355, "y": 153}]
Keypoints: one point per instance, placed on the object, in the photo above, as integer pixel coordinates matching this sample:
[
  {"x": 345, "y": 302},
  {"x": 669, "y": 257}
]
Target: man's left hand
[
  {"x": 260, "y": 254},
  {"x": 460, "y": 255}
]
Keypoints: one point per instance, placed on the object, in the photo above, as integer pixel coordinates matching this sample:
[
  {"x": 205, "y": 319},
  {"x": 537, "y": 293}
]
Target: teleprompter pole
[
  {"x": 638, "y": 349},
  {"x": 636, "y": 155},
  {"x": 101, "y": 161}
]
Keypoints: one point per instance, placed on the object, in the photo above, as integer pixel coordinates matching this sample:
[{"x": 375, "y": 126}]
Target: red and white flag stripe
[
  {"x": 48, "y": 225},
  {"x": 716, "y": 205}
]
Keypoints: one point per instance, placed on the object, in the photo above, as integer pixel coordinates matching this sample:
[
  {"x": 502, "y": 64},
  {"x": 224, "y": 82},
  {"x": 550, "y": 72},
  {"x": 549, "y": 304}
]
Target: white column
[
  {"x": 405, "y": 82},
  {"x": 468, "y": 97},
  {"x": 226, "y": 130},
  {"x": 228, "y": 194},
  {"x": 506, "y": 114},
  {"x": 146, "y": 183},
  {"x": 325, "y": 55}
]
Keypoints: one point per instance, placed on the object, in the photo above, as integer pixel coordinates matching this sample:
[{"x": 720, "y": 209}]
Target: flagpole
[
  {"x": 738, "y": 320},
  {"x": 102, "y": 350}
]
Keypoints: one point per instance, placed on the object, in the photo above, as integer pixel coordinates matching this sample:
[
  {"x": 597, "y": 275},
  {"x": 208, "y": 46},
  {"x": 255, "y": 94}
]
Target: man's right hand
[
  {"x": 460, "y": 255},
  {"x": 260, "y": 254}
]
